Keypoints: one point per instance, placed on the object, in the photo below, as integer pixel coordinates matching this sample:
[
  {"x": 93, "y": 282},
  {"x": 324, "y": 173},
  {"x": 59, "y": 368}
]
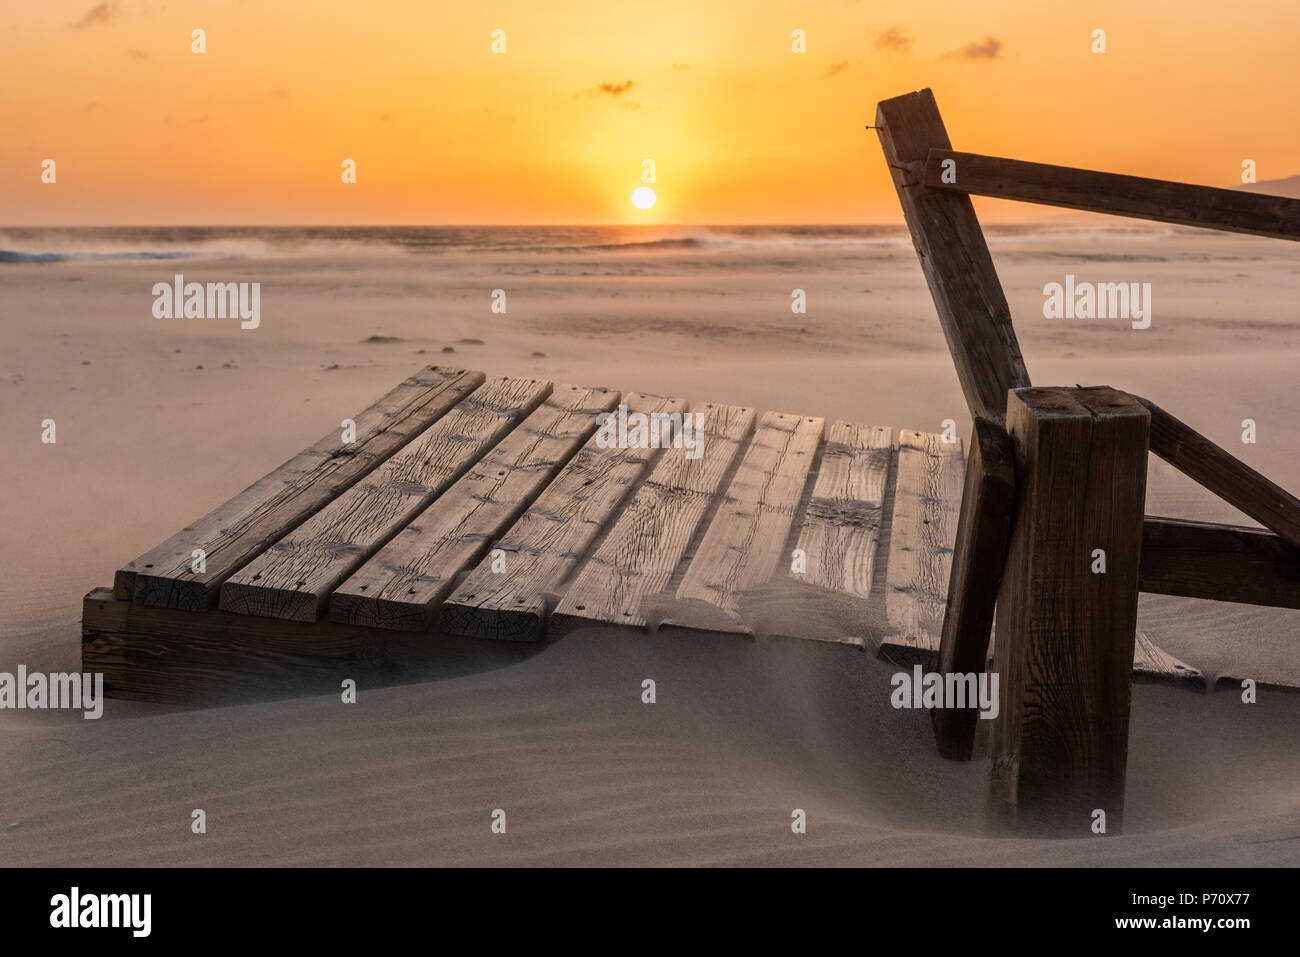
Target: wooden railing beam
[
  {"x": 1181, "y": 204},
  {"x": 1219, "y": 563}
]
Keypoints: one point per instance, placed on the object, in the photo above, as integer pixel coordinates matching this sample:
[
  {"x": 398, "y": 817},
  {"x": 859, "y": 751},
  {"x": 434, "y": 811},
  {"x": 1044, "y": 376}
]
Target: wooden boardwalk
[{"x": 476, "y": 510}]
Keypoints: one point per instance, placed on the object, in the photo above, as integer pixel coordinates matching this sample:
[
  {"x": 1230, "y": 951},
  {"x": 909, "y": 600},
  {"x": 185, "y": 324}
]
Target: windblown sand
[{"x": 743, "y": 732}]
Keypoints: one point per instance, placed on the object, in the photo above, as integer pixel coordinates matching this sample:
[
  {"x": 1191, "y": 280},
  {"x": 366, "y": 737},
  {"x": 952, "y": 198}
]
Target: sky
[{"x": 741, "y": 129}]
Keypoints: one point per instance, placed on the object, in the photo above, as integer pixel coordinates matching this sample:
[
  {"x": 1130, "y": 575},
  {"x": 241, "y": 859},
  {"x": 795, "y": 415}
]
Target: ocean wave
[
  {"x": 13, "y": 256},
  {"x": 124, "y": 244}
]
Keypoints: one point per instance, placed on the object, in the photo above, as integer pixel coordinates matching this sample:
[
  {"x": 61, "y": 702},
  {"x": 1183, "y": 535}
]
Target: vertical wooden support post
[
  {"x": 1067, "y": 610},
  {"x": 983, "y": 528}
]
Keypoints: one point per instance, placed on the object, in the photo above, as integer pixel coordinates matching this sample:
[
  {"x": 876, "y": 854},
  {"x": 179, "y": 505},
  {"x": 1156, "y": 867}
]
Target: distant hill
[{"x": 1276, "y": 187}]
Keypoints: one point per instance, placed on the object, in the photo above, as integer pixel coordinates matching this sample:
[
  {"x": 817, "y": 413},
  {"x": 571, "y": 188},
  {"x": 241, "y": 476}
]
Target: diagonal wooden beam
[
  {"x": 1226, "y": 476},
  {"x": 955, "y": 258},
  {"x": 1182, "y": 204},
  {"x": 983, "y": 530}
]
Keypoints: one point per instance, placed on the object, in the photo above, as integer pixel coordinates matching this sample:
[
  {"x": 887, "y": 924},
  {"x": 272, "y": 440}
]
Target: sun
[{"x": 643, "y": 197}]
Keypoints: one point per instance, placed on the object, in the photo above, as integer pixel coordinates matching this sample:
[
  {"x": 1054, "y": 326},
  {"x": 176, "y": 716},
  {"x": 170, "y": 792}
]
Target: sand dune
[{"x": 742, "y": 732}]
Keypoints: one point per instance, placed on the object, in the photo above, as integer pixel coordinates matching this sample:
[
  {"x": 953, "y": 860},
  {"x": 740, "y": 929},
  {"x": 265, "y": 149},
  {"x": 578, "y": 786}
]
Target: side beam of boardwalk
[
  {"x": 170, "y": 655},
  {"x": 234, "y": 533},
  {"x": 638, "y": 557},
  {"x": 295, "y": 576},
  {"x": 544, "y": 548},
  {"x": 1066, "y": 624},
  {"x": 403, "y": 584}
]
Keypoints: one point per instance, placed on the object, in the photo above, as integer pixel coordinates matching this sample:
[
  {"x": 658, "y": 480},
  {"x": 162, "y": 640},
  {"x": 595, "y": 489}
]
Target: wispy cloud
[
  {"x": 100, "y": 13},
  {"x": 607, "y": 89},
  {"x": 987, "y": 49},
  {"x": 836, "y": 68},
  {"x": 894, "y": 38}
]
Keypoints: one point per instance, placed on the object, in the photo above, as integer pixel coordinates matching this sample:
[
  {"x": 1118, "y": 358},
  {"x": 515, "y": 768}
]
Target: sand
[{"x": 742, "y": 733}]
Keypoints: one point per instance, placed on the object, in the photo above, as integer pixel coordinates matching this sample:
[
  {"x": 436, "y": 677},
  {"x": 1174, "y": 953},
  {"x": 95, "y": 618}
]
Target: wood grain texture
[
  {"x": 1065, "y": 635},
  {"x": 841, "y": 525},
  {"x": 1226, "y": 476},
  {"x": 401, "y": 586},
  {"x": 1219, "y": 562},
  {"x": 208, "y": 657},
  {"x": 954, "y": 257},
  {"x": 549, "y": 541},
  {"x": 236, "y": 532},
  {"x": 1137, "y": 197},
  {"x": 745, "y": 540},
  {"x": 638, "y": 557},
  {"x": 923, "y": 531},
  {"x": 294, "y": 577},
  {"x": 983, "y": 530}
]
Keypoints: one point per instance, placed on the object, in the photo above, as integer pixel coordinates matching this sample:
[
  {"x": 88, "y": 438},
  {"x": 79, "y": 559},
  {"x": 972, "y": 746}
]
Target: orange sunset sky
[{"x": 742, "y": 130}]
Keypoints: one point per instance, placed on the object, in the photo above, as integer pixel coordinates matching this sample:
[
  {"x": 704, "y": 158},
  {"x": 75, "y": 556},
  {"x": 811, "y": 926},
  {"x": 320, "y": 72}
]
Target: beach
[{"x": 159, "y": 420}]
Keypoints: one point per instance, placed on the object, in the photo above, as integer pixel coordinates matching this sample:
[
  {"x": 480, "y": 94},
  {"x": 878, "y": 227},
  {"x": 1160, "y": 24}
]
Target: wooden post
[
  {"x": 954, "y": 257},
  {"x": 1067, "y": 610},
  {"x": 983, "y": 528}
]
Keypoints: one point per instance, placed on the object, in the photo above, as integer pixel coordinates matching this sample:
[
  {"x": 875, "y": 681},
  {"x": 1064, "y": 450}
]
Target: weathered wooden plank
[
  {"x": 1135, "y": 196},
  {"x": 294, "y": 577},
  {"x": 827, "y": 595},
  {"x": 954, "y": 257},
  {"x": 543, "y": 549},
  {"x": 401, "y": 586},
  {"x": 983, "y": 529},
  {"x": 1065, "y": 633},
  {"x": 1219, "y": 562},
  {"x": 237, "y": 531},
  {"x": 841, "y": 525},
  {"x": 642, "y": 550},
  {"x": 170, "y": 655},
  {"x": 1153, "y": 664},
  {"x": 1227, "y": 477},
  {"x": 923, "y": 531},
  {"x": 745, "y": 540}
]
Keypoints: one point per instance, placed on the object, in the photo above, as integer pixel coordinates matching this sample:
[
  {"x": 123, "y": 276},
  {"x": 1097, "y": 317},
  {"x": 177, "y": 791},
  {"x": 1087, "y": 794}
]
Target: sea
[{"x": 123, "y": 243}]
